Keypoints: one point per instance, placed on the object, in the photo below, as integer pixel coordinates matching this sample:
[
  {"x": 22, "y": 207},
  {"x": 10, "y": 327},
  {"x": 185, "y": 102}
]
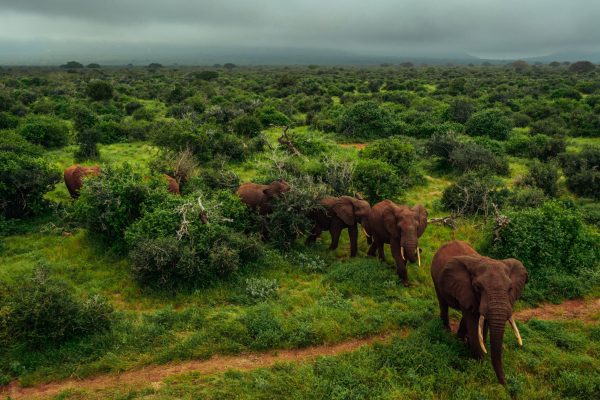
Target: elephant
[
  {"x": 339, "y": 213},
  {"x": 401, "y": 226},
  {"x": 259, "y": 197},
  {"x": 74, "y": 177},
  {"x": 484, "y": 290},
  {"x": 75, "y": 173}
]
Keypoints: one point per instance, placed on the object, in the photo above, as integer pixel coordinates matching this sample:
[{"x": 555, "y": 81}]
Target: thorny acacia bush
[
  {"x": 559, "y": 251},
  {"x": 40, "y": 311},
  {"x": 187, "y": 242},
  {"x": 474, "y": 194},
  {"x": 25, "y": 177}
]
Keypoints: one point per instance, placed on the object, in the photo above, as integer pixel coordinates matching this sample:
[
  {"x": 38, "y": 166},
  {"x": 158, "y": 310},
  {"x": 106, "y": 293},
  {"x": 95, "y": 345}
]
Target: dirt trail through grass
[{"x": 583, "y": 310}]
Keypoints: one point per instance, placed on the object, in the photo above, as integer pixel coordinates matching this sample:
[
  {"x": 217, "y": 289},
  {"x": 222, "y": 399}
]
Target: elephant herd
[{"x": 483, "y": 289}]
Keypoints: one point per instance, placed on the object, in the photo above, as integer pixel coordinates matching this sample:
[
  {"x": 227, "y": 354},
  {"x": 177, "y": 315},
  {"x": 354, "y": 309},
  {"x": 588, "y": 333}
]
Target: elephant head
[
  {"x": 350, "y": 210},
  {"x": 407, "y": 225},
  {"x": 487, "y": 288},
  {"x": 276, "y": 189}
]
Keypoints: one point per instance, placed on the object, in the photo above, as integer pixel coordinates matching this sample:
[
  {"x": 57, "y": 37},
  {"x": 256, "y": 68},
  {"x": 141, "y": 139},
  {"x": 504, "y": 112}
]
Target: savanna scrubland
[{"x": 129, "y": 275}]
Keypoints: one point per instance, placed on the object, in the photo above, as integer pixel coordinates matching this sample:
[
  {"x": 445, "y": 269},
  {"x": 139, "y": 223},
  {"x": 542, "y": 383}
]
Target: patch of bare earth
[
  {"x": 153, "y": 375},
  {"x": 587, "y": 311},
  {"x": 358, "y": 146}
]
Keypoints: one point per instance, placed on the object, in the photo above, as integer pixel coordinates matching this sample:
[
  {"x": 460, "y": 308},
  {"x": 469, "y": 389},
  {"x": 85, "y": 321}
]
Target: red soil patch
[
  {"x": 585, "y": 311},
  {"x": 153, "y": 375},
  {"x": 358, "y": 146}
]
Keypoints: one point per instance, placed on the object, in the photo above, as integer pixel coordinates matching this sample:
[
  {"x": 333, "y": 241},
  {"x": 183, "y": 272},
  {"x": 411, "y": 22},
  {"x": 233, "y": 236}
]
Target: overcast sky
[{"x": 37, "y": 29}]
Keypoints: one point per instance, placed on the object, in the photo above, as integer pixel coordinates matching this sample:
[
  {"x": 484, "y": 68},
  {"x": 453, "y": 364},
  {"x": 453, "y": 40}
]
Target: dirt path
[
  {"x": 358, "y": 146},
  {"x": 586, "y": 311}
]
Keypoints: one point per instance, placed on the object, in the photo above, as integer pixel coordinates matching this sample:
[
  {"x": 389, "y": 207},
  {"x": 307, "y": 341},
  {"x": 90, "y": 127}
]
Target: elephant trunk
[
  {"x": 496, "y": 322},
  {"x": 409, "y": 250}
]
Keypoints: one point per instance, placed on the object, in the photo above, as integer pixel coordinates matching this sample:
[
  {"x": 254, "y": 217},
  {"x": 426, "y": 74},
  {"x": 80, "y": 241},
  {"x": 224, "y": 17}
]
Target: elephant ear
[
  {"x": 422, "y": 212},
  {"x": 456, "y": 278},
  {"x": 344, "y": 209},
  {"x": 518, "y": 278}
]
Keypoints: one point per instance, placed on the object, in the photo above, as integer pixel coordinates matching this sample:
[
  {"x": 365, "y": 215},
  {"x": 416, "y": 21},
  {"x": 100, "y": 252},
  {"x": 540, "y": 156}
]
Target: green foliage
[
  {"x": 474, "y": 157},
  {"x": 526, "y": 197},
  {"x": 583, "y": 171},
  {"x": 365, "y": 120},
  {"x": 247, "y": 125},
  {"x": 259, "y": 289},
  {"x": 24, "y": 177},
  {"x": 395, "y": 150},
  {"x": 560, "y": 253},
  {"x": 172, "y": 247},
  {"x": 47, "y": 131},
  {"x": 543, "y": 176},
  {"x": 538, "y": 146},
  {"x": 460, "y": 110},
  {"x": 40, "y": 311},
  {"x": 111, "y": 202},
  {"x": 269, "y": 115},
  {"x": 87, "y": 140},
  {"x": 99, "y": 90},
  {"x": 474, "y": 193},
  {"x": 492, "y": 123},
  {"x": 311, "y": 143},
  {"x": 8, "y": 121},
  {"x": 376, "y": 180}
]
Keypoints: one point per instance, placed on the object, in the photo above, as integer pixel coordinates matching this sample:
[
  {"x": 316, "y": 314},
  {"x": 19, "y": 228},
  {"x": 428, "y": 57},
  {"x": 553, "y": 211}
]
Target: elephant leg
[
  {"x": 316, "y": 232},
  {"x": 353, "y": 234},
  {"x": 380, "y": 250},
  {"x": 462, "y": 329},
  {"x": 400, "y": 267},
  {"x": 372, "y": 248},
  {"x": 336, "y": 230},
  {"x": 444, "y": 312},
  {"x": 471, "y": 321}
]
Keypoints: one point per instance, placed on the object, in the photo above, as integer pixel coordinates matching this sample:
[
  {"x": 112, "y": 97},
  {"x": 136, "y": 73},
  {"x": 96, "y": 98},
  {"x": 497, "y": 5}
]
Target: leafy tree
[
  {"x": 99, "y": 90},
  {"x": 376, "y": 180},
  {"x": 492, "y": 123},
  {"x": 583, "y": 171},
  {"x": 365, "y": 120},
  {"x": 247, "y": 125},
  {"x": 93, "y": 66},
  {"x": 582, "y": 67},
  {"x": 47, "y": 131},
  {"x": 72, "y": 65}
]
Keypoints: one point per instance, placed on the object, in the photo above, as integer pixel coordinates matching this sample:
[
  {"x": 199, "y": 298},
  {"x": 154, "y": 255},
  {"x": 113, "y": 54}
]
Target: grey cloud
[{"x": 486, "y": 27}]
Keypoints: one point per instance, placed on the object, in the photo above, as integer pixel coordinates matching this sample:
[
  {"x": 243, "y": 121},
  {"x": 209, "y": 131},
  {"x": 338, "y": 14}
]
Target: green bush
[
  {"x": 24, "y": 177},
  {"x": 259, "y": 289},
  {"x": 474, "y": 193},
  {"x": 87, "y": 140},
  {"x": 8, "y": 121},
  {"x": 474, "y": 157},
  {"x": 271, "y": 116},
  {"x": 311, "y": 143},
  {"x": 47, "y": 131},
  {"x": 171, "y": 247},
  {"x": 527, "y": 197},
  {"x": 376, "y": 180},
  {"x": 40, "y": 311},
  {"x": 491, "y": 123},
  {"x": 365, "y": 120},
  {"x": 247, "y": 125},
  {"x": 543, "y": 176},
  {"x": 583, "y": 171},
  {"x": 99, "y": 90},
  {"x": 460, "y": 110},
  {"x": 111, "y": 202},
  {"x": 560, "y": 253},
  {"x": 538, "y": 146},
  {"x": 395, "y": 150}
]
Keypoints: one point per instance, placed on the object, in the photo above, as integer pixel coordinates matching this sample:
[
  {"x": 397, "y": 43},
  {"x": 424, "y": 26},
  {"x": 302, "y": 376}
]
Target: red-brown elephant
[
  {"x": 259, "y": 197},
  {"x": 337, "y": 214},
  {"x": 75, "y": 173},
  {"x": 484, "y": 290},
  {"x": 74, "y": 177},
  {"x": 401, "y": 226}
]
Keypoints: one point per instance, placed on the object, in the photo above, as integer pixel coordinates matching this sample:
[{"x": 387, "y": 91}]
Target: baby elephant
[
  {"x": 259, "y": 197},
  {"x": 339, "y": 213},
  {"x": 484, "y": 290}
]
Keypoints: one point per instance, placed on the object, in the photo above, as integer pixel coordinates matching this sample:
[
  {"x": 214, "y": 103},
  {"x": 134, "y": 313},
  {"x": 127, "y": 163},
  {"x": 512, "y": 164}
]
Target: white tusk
[
  {"x": 419, "y": 256},
  {"x": 366, "y": 234},
  {"x": 402, "y": 253},
  {"x": 480, "y": 334},
  {"x": 516, "y": 331}
]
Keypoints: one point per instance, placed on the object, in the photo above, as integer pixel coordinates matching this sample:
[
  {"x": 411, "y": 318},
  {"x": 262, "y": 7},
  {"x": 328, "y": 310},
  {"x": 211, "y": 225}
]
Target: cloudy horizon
[{"x": 42, "y": 31}]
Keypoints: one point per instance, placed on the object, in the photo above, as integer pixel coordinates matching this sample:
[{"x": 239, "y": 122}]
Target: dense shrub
[
  {"x": 365, "y": 120},
  {"x": 460, "y": 110},
  {"x": 474, "y": 157},
  {"x": 8, "y": 121},
  {"x": 544, "y": 176},
  {"x": 99, "y": 90},
  {"x": 24, "y": 177},
  {"x": 473, "y": 194},
  {"x": 108, "y": 204},
  {"x": 560, "y": 253},
  {"x": 583, "y": 171},
  {"x": 87, "y": 140},
  {"x": 376, "y": 180},
  {"x": 247, "y": 125},
  {"x": 338, "y": 175},
  {"x": 526, "y": 197},
  {"x": 311, "y": 143},
  {"x": 171, "y": 246},
  {"x": 40, "y": 311},
  {"x": 271, "y": 116},
  {"x": 492, "y": 123},
  {"x": 538, "y": 146},
  {"x": 395, "y": 150},
  {"x": 47, "y": 131}
]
